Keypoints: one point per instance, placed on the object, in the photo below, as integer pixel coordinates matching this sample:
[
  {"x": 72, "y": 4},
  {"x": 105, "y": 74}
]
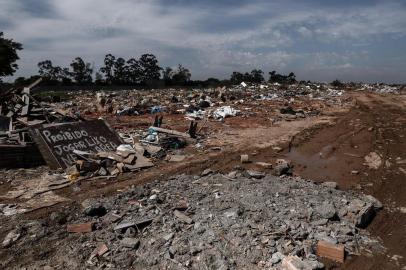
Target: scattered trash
[
  {"x": 156, "y": 109},
  {"x": 223, "y": 112},
  {"x": 10, "y": 238},
  {"x": 256, "y": 219},
  {"x": 373, "y": 160},
  {"x": 245, "y": 158}
]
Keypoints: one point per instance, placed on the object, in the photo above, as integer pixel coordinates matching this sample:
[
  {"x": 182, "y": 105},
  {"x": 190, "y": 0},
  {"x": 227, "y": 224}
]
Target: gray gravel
[{"x": 216, "y": 222}]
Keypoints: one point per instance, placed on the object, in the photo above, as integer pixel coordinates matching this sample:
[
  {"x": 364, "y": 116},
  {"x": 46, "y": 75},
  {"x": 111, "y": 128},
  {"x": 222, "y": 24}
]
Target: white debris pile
[
  {"x": 224, "y": 112},
  {"x": 196, "y": 115},
  {"x": 381, "y": 88}
]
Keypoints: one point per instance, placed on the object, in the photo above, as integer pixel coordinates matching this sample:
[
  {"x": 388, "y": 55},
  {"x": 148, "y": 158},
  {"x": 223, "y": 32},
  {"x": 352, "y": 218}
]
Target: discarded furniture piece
[{"x": 57, "y": 142}]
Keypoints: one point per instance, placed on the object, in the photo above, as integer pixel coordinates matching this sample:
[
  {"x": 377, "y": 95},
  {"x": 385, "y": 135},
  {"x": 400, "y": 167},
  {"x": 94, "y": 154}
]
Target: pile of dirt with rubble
[{"x": 212, "y": 221}]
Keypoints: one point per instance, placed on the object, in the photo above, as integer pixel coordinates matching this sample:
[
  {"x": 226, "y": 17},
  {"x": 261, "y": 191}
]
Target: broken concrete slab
[
  {"x": 295, "y": 263},
  {"x": 255, "y": 174},
  {"x": 264, "y": 165},
  {"x": 131, "y": 243},
  {"x": 43, "y": 200},
  {"x": 182, "y": 217},
  {"x": 332, "y": 185},
  {"x": 10, "y": 238},
  {"x": 245, "y": 158},
  {"x": 373, "y": 160},
  {"x": 176, "y": 158}
]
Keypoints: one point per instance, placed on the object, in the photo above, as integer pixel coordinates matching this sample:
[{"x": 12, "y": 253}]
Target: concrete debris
[
  {"x": 264, "y": 165},
  {"x": 207, "y": 172},
  {"x": 19, "y": 111},
  {"x": 124, "y": 159},
  {"x": 255, "y": 174},
  {"x": 282, "y": 167},
  {"x": 176, "y": 158},
  {"x": 10, "y": 238},
  {"x": 131, "y": 243},
  {"x": 245, "y": 158},
  {"x": 373, "y": 160},
  {"x": 295, "y": 263},
  {"x": 332, "y": 185},
  {"x": 236, "y": 213},
  {"x": 182, "y": 217},
  {"x": 326, "y": 210},
  {"x": 10, "y": 209},
  {"x": 272, "y": 222}
]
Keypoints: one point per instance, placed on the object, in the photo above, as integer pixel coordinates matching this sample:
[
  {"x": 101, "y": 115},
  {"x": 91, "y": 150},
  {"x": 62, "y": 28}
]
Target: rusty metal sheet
[{"x": 56, "y": 142}]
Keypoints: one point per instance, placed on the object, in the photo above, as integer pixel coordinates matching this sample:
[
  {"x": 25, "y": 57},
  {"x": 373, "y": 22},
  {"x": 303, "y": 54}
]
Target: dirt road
[{"x": 376, "y": 124}]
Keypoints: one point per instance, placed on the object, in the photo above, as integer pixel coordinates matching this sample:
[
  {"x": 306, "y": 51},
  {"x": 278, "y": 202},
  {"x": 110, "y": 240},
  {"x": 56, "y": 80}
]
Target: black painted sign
[{"x": 57, "y": 141}]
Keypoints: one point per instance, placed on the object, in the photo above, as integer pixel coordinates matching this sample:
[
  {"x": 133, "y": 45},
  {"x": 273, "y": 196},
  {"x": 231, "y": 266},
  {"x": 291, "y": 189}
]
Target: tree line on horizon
[{"x": 119, "y": 71}]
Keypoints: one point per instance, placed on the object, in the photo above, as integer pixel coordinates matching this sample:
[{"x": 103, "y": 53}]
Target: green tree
[
  {"x": 291, "y": 77},
  {"x": 134, "y": 71},
  {"x": 257, "y": 76},
  {"x": 20, "y": 81},
  {"x": 280, "y": 78},
  {"x": 120, "y": 71},
  {"x": 48, "y": 71},
  {"x": 98, "y": 78},
  {"x": 337, "y": 83},
  {"x": 81, "y": 71},
  {"x": 8, "y": 56},
  {"x": 107, "y": 70},
  {"x": 150, "y": 68},
  {"x": 65, "y": 76},
  {"x": 167, "y": 74},
  {"x": 247, "y": 77},
  {"x": 236, "y": 77},
  {"x": 181, "y": 76}
]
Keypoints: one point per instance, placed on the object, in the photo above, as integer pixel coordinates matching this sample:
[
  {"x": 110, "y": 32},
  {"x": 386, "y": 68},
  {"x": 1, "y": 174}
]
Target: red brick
[
  {"x": 330, "y": 251},
  {"x": 80, "y": 228}
]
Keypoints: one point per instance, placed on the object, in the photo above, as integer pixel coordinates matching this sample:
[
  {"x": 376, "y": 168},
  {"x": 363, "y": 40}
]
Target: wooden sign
[{"x": 56, "y": 142}]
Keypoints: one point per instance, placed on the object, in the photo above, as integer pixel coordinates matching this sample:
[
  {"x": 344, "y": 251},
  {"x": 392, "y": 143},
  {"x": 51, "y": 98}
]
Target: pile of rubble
[
  {"x": 383, "y": 88},
  {"x": 142, "y": 148},
  {"x": 19, "y": 110},
  {"x": 214, "y": 221},
  {"x": 195, "y": 103},
  {"x": 124, "y": 159}
]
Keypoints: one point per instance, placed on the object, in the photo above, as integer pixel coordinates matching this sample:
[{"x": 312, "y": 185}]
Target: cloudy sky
[{"x": 317, "y": 39}]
